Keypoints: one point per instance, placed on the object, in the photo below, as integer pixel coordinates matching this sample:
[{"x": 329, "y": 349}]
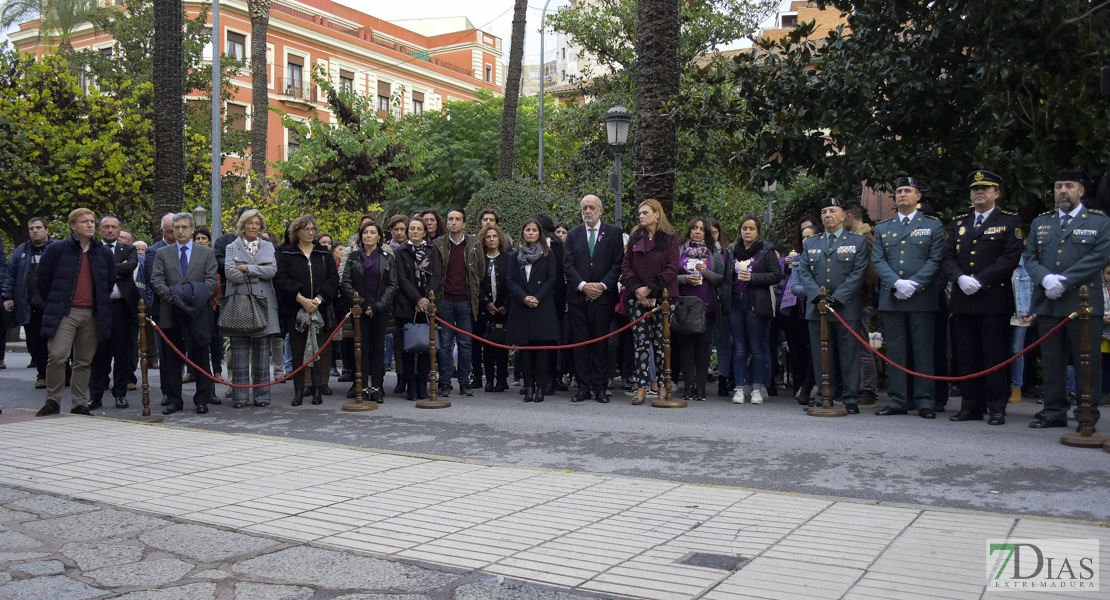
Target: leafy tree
[
  {"x": 515, "y": 201},
  {"x": 922, "y": 89},
  {"x": 58, "y": 18},
  {"x": 512, "y": 93},
  {"x": 61, "y": 148},
  {"x": 169, "y": 109},
  {"x": 657, "y": 77},
  {"x": 260, "y": 23}
]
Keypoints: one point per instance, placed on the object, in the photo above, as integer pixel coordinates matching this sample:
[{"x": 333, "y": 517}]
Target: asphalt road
[{"x": 775, "y": 446}]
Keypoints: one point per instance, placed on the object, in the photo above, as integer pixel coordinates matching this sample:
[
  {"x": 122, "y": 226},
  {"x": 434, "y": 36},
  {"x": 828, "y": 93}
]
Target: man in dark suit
[
  {"x": 176, "y": 268},
  {"x": 1067, "y": 249},
  {"x": 125, "y": 303},
  {"x": 980, "y": 256},
  {"x": 168, "y": 239},
  {"x": 592, "y": 264}
]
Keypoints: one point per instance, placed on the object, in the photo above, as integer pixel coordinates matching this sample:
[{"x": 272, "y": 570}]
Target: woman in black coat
[
  {"x": 308, "y": 282},
  {"x": 493, "y": 305},
  {"x": 418, "y": 273},
  {"x": 371, "y": 272},
  {"x": 532, "y": 319}
]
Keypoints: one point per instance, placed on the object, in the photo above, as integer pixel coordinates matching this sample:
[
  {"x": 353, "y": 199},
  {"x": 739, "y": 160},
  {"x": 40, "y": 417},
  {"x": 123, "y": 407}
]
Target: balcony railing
[{"x": 296, "y": 89}]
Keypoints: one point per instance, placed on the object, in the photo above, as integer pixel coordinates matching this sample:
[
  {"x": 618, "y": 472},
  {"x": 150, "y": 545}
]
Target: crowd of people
[{"x": 957, "y": 299}]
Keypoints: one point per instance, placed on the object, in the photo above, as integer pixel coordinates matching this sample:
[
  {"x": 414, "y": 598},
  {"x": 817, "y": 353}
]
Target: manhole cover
[{"x": 724, "y": 562}]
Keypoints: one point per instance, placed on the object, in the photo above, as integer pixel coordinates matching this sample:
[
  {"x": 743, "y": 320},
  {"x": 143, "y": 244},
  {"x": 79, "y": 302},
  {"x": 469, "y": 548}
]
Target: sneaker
[
  {"x": 738, "y": 396},
  {"x": 516, "y": 383},
  {"x": 757, "y": 396}
]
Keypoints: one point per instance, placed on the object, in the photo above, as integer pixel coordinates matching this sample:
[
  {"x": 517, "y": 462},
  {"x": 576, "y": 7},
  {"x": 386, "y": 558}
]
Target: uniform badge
[
  {"x": 1018, "y": 233},
  {"x": 963, "y": 230},
  {"x": 846, "y": 250},
  {"x": 994, "y": 230}
]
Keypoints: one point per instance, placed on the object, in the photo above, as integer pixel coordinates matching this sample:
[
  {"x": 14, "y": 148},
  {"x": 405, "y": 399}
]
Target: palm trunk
[
  {"x": 260, "y": 20},
  {"x": 657, "y": 80},
  {"x": 512, "y": 93},
  {"x": 169, "y": 113}
]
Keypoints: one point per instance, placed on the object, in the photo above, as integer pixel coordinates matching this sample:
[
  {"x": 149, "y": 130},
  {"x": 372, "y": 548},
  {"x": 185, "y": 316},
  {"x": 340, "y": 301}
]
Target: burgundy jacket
[{"x": 653, "y": 263}]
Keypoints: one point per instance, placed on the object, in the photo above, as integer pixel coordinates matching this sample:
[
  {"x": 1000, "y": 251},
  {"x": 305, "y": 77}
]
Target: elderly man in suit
[
  {"x": 1068, "y": 248},
  {"x": 592, "y": 263},
  {"x": 907, "y": 255},
  {"x": 125, "y": 304},
  {"x": 980, "y": 256},
  {"x": 184, "y": 277}
]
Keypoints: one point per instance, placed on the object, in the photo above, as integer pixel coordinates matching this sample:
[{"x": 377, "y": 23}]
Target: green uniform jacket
[
  {"x": 840, "y": 270},
  {"x": 1078, "y": 252},
  {"x": 910, "y": 252}
]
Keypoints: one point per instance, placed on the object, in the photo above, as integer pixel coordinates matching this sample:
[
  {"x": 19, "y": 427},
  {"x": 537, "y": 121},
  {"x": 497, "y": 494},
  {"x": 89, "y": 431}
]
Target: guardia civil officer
[
  {"x": 837, "y": 261},
  {"x": 980, "y": 256},
  {"x": 1067, "y": 249},
  {"x": 907, "y": 254}
]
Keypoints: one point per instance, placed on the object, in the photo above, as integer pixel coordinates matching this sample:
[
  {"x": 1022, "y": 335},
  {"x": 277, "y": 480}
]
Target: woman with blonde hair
[
  {"x": 250, "y": 264},
  {"x": 650, "y": 266}
]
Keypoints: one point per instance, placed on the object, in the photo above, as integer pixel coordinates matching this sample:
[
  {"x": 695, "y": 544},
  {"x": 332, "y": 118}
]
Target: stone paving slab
[{"x": 381, "y": 525}]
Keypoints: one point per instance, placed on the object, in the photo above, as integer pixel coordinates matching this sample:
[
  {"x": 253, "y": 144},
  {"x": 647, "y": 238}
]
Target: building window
[
  {"x": 236, "y": 117},
  {"x": 417, "y": 102},
  {"x": 346, "y": 81},
  {"x": 294, "y": 73},
  {"x": 383, "y": 98},
  {"x": 489, "y": 73},
  {"x": 106, "y": 53},
  {"x": 789, "y": 21},
  {"x": 236, "y": 45}
]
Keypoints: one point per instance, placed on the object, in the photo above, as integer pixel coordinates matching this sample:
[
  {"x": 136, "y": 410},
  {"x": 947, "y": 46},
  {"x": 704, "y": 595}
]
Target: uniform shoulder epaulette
[
  {"x": 958, "y": 217},
  {"x": 1047, "y": 213},
  {"x": 1096, "y": 211},
  {"x": 1006, "y": 212},
  {"x": 888, "y": 220},
  {"x": 932, "y": 217}
]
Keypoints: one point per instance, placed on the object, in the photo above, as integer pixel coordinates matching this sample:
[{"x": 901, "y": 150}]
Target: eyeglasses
[{"x": 310, "y": 229}]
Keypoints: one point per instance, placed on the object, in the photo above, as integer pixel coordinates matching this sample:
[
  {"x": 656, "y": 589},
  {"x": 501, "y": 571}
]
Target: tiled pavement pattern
[{"x": 595, "y": 535}]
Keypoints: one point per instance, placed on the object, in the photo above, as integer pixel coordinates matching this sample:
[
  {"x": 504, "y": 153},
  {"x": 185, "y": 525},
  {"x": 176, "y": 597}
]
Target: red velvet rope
[
  {"x": 1000, "y": 365},
  {"x": 576, "y": 345},
  {"x": 216, "y": 379}
]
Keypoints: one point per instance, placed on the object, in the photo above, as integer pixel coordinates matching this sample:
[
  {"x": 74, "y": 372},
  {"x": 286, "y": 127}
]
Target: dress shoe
[
  {"x": 80, "y": 409},
  {"x": 538, "y": 396},
  {"x": 261, "y": 403},
  {"x": 351, "y": 391},
  {"x": 997, "y": 418},
  {"x": 400, "y": 387},
  {"x": 376, "y": 396},
  {"x": 94, "y": 404},
  {"x": 202, "y": 409},
  {"x": 489, "y": 386},
  {"x": 228, "y": 393},
  {"x": 465, "y": 390},
  {"x": 939, "y": 408},
  {"x": 927, "y": 413},
  {"x": 887, "y": 410},
  {"x": 324, "y": 389},
  {"x": 131, "y": 387},
  {"x": 237, "y": 405},
  {"x": 549, "y": 389},
  {"x": 298, "y": 397},
  {"x": 581, "y": 396},
  {"x": 318, "y": 395},
  {"x": 867, "y": 397},
  {"x": 529, "y": 393},
  {"x": 121, "y": 403},
  {"x": 40, "y": 384},
  {"x": 215, "y": 400},
  {"x": 964, "y": 415},
  {"x": 188, "y": 378},
  {"x": 601, "y": 395},
  {"x": 166, "y": 402},
  {"x": 1043, "y": 423},
  {"x": 853, "y": 408},
  {"x": 502, "y": 385},
  {"x": 50, "y": 408},
  {"x": 561, "y": 386},
  {"x": 334, "y": 372},
  {"x": 172, "y": 408},
  {"x": 1039, "y": 414},
  {"x": 347, "y": 376}
]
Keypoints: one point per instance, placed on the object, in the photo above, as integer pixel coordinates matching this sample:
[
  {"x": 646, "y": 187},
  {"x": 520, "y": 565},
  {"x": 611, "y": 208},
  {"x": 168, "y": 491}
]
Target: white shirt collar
[
  {"x": 1073, "y": 214},
  {"x": 909, "y": 217},
  {"x": 984, "y": 215}
]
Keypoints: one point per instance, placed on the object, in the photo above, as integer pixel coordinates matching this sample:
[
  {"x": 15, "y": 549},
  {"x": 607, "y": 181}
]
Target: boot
[
  {"x": 402, "y": 385},
  {"x": 1015, "y": 395},
  {"x": 422, "y": 386},
  {"x": 537, "y": 396},
  {"x": 529, "y": 392},
  {"x": 410, "y": 385},
  {"x": 502, "y": 385},
  {"x": 298, "y": 396},
  {"x": 318, "y": 395},
  {"x": 722, "y": 386}
]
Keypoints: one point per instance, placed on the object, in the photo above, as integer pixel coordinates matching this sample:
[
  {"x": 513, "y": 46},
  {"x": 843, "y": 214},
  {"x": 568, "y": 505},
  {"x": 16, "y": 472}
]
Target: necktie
[
  {"x": 978, "y": 222},
  {"x": 829, "y": 240},
  {"x": 184, "y": 261},
  {"x": 1064, "y": 220},
  {"x": 593, "y": 238},
  {"x": 905, "y": 220}
]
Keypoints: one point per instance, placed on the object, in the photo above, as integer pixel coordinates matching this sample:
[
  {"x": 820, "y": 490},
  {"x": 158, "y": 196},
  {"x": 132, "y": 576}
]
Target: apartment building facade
[{"x": 423, "y": 63}]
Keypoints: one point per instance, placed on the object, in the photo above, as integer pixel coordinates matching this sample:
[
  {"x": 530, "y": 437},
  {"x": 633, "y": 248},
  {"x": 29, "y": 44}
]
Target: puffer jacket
[
  {"x": 57, "y": 281},
  {"x": 353, "y": 280},
  {"x": 15, "y": 286}
]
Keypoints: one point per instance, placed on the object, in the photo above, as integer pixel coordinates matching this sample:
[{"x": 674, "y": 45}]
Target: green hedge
[{"x": 515, "y": 201}]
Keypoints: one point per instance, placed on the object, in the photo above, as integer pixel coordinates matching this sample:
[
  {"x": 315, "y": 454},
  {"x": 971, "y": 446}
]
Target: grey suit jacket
[{"x": 167, "y": 273}]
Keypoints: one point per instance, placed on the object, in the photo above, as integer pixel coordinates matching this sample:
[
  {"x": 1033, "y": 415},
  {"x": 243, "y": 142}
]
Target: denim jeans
[
  {"x": 1017, "y": 344},
  {"x": 749, "y": 337},
  {"x": 457, "y": 313},
  {"x": 388, "y": 348}
]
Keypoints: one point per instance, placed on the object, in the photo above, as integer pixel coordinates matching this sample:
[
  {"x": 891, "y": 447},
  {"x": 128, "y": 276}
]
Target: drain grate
[{"x": 724, "y": 562}]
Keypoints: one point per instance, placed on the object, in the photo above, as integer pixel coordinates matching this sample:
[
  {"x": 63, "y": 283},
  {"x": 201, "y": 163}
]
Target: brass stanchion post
[
  {"x": 826, "y": 409},
  {"x": 667, "y": 400},
  {"x": 433, "y": 401},
  {"x": 144, "y": 363},
  {"x": 356, "y": 324},
  {"x": 1086, "y": 436}
]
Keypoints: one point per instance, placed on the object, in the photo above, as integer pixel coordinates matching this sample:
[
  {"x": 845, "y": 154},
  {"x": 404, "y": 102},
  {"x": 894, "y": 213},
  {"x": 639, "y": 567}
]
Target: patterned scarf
[
  {"x": 421, "y": 253},
  {"x": 529, "y": 254},
  {"x": 697, "y": 250},
  {"x": 310, "y": 322}
]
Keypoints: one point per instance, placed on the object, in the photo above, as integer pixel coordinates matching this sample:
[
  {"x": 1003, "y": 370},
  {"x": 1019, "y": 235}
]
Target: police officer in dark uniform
[
  {"x": 1067, "y": 249},
  {"x": 836, "y": 260},
  {"x": 908, "y": 249},
  {"x": 982, "y": 251}
]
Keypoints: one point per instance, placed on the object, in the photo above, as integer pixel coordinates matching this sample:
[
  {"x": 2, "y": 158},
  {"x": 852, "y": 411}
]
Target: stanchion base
[
  {"x": 149, "y": 419},
  {"x": 433, "y": 404},
  {"x": 359, "y": 406},
  {"x": 1076, "y": 440},
  {"x": 821, "y": 411},
  {"x": 661, "y": 403}
]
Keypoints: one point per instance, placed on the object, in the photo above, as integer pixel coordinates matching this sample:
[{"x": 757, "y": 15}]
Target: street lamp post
[
  {"x": 200, "y": 215},
  {"x": 217, "y": 103},
  {"x": 617, "y": 122}
]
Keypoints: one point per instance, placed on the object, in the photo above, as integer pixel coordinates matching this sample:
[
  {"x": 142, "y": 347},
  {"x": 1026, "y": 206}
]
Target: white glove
[
  {"x": 968, "y": 284},
  {"x": 904, "y": 288},
  {"x": 1053, "y": 285}
]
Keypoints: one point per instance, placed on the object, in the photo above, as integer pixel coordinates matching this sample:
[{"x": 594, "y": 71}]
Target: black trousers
[
  {"x": 535, "y": 365},
  {"x": 114, "y": 355},
  {"x": 980, "y": 342},
  {"x": 373, "y": 349},
  {"x": 693, "y": 353},
  {"x": 297, "y": 342},
  {"x": 36, "y": 344},
  {"x": 588, "y": 321},
  {"x": 170, "y": 370},
  {"x": 495, "y": 360},
  {"x": 797, "y": 339},
  {"x": 416, "y": 364},
  {"x": 1055, "y": 352}
]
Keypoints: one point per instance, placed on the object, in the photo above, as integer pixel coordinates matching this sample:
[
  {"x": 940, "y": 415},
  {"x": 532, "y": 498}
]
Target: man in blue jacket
[
  {"x": 75, "y": 278},
  {"x": 21, "y": 293}
]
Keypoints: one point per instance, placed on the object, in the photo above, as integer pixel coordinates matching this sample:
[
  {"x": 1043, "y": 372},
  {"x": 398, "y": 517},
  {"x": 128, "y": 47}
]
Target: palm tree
[
  {"x": 260, "y": 22},
  {"x": 657, "y": 80},
  {"x": 59, "y": 18},
  {"x": 512, "y": 93},
  {"x": 169, "y": 108}
]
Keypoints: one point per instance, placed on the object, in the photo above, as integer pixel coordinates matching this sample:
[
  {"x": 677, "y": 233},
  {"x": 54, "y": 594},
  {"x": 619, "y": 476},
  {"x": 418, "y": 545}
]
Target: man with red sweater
[
  {"x": 454, "y": 301},
  {"x": 75, "y": 277}
]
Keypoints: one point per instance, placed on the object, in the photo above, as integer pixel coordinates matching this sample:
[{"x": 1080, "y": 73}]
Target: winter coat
[
  {"x": 765, "y": 274},
  {"x": 354, "y": 280},
  {"x": 57, "y": 281},
  {"x": 408, "y": 291},
  {"x": 524, "y": 324},
  {"x": 296, "y": 276},
  {"x": 15, "y": 286},
  {"x": 651, "y": 263},
  {"x": 258, "y": 280}
]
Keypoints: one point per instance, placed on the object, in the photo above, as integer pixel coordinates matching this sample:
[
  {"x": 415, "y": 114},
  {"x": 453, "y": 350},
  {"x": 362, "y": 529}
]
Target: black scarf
[{"x": 739, "y": 252}]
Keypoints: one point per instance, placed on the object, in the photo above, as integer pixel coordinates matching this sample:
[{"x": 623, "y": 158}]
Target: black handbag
[
  {"x": 415, "y": 336},
  {"x": 687, "y": 315},
  {"x": 494, "y": 332},
  {"x": 243, "y": 314}
]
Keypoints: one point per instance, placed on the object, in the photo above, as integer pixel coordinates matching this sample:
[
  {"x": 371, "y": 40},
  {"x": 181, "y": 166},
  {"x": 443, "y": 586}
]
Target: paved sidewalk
[{"x": 589, "y": 534}]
